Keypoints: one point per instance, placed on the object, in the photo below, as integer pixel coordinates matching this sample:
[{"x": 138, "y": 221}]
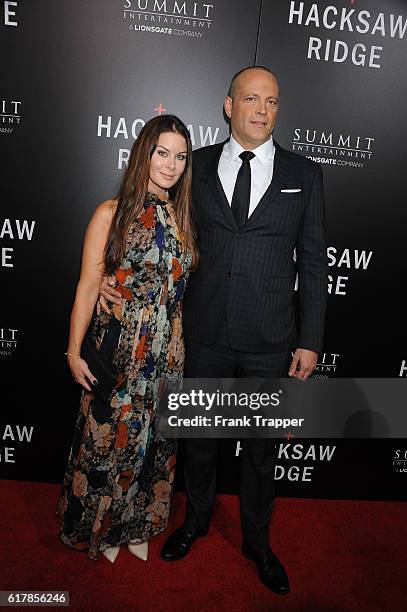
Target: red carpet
[{"x": 340, "y": 555}]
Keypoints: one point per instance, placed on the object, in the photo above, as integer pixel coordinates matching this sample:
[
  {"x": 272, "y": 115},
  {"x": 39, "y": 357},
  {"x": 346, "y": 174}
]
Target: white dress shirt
[{"x": 261, "y": 168}]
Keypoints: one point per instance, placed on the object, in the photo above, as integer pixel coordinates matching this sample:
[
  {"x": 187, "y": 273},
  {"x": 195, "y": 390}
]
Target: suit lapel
[
  {"x": 273, "y": 189},
  {"x": 215, "y": 185}
]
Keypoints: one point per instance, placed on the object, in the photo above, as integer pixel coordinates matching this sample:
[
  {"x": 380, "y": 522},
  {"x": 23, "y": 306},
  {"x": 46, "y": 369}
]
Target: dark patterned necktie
[{"x": 241, "y": 192}]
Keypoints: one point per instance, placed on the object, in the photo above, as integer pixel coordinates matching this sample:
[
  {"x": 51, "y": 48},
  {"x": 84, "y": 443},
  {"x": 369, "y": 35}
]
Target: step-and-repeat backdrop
[{"x": 78, "y": 82}]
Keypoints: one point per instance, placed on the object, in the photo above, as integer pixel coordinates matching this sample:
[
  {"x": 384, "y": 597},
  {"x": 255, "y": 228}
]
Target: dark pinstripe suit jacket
[{"x": 248, "y": 277}]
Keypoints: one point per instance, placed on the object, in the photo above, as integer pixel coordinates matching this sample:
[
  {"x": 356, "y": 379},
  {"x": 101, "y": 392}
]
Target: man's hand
[
  {"x": 303, "y": 363},
  {"x": 107, "y": 293}
]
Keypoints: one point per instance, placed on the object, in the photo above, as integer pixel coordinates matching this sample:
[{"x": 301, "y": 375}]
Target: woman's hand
[{"x": 81, "y": 373}]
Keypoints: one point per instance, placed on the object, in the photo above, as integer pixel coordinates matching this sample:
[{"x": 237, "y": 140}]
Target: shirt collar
[{"x": 264, "y": 152}]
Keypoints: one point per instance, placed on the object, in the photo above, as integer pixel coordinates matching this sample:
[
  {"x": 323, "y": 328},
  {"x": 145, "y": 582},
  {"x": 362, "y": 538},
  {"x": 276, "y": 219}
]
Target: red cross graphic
[
  {"x": 289, "y": 435},
  {"x": 160, "y": 109}
]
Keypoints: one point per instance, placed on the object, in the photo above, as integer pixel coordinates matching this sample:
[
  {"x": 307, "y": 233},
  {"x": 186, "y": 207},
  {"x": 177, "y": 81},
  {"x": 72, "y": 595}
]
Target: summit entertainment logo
[
  {"x": 400, "y": 460},
  {"x": 168, "y": 17},
  {"x": 332, "y": 148},
  {"x": 9, "y": 339},
  {"x": 326, "y": 366},
  {"x": 10, "y": 115}
]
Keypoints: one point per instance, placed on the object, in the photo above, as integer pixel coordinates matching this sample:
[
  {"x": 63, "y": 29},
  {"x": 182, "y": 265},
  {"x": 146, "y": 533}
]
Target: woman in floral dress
[{"x": 118, "y": 481}]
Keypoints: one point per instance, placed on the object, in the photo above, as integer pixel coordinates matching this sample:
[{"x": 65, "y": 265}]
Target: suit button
[{"x": 238, "y": 235}]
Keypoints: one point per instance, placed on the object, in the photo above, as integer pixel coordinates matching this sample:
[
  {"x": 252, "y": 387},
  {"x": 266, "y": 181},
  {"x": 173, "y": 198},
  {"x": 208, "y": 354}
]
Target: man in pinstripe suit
[{"x": 239, "y": 306}]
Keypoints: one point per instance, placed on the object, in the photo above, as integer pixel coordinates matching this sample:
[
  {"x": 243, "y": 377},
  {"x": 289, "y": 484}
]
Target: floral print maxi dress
[{"x": 118, "y": 481}]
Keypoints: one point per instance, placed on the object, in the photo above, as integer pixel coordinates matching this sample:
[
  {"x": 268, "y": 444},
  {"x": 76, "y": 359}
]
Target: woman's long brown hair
[{"x": 134, "y": 189}]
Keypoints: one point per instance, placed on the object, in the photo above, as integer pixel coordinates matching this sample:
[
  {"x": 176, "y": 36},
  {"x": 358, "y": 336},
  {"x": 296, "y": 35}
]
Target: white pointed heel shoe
[
  {"x": 139, "y": 550},
  {"x": 111, "y": 553}
]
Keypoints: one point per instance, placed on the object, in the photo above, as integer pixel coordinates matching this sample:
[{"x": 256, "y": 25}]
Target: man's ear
[{"x": 227, "y": 105}]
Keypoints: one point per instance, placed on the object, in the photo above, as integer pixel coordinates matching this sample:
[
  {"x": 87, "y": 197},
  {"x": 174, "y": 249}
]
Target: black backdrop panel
[
  {"x": 342, "y": 105},
  {"x": 87, "y": 76},
  {"x": 350, "y": 118}
]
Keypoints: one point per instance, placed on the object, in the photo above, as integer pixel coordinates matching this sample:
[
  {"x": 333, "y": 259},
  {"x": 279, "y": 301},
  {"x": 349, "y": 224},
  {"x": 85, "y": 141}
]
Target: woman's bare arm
[{"x": 87, "y": 291}]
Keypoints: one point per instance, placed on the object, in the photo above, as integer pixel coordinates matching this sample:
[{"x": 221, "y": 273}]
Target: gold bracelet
[{"x": 72, "y": 354}]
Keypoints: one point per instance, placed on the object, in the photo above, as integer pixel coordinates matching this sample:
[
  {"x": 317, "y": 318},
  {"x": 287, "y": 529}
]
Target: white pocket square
[{"x": 290, "y": 190}]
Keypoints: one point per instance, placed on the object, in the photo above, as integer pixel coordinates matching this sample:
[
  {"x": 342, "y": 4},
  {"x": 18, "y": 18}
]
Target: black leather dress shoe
[
  {"x": 179, "y": 543},
  {"x": 271, "y": 572}
]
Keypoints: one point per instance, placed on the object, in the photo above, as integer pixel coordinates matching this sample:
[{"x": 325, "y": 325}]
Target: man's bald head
[{"x": 235, "y": 78}]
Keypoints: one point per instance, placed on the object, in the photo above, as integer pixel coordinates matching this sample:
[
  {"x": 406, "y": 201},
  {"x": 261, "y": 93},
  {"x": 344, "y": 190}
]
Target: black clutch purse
[{"x": 100, "y": 363}]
